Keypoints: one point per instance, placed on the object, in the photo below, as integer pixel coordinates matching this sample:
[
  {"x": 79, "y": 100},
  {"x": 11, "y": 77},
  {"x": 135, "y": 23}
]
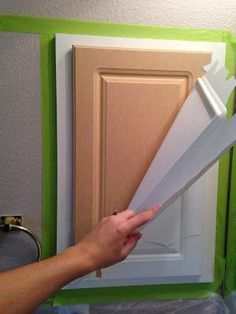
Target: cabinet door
[
  {"x": 122, "y": 110},
  {"x": 125, "y": 101}
]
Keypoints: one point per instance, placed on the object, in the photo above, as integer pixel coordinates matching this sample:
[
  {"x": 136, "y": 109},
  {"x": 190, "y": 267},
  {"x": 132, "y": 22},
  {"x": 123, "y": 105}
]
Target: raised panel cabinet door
[{"x": 125, "y": 101}]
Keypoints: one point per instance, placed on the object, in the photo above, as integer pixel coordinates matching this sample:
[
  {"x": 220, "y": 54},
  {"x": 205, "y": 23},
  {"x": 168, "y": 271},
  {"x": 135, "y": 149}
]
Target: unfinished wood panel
[{"x": 125, "y": 100}]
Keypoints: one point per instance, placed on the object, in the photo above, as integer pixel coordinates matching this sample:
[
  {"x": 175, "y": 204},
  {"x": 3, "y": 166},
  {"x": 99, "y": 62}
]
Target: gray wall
[
  {"x": 20, "y": 134},
  {"x": 20, "y": 139}
]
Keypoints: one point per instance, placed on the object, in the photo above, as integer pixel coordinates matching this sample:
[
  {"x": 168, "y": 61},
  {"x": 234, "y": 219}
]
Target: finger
[
  {"x": 157, "y": 206},
  {"x": 130, "y": 244},
  {"x": 127, "y": 214},
  {"x": 140, "y": 219}
]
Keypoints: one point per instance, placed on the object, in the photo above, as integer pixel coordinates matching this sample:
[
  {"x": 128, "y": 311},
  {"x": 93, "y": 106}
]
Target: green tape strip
[
  {"x": 27, "y": 24},
  {"x": 49, "y": 152},
  {"x": 47, "y": 27}
]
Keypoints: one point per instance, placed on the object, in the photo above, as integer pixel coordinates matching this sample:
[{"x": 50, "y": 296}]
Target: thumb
[{"x": 131, "y": 242}]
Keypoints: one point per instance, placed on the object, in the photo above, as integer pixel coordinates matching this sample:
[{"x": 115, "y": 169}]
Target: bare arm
[{"x": 25, "y": 288}]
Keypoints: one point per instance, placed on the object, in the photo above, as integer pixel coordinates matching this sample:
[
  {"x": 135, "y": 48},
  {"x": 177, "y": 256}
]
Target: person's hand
[
  {"x": 109, "y": 242},
  {"x": 114, "y": 237}
]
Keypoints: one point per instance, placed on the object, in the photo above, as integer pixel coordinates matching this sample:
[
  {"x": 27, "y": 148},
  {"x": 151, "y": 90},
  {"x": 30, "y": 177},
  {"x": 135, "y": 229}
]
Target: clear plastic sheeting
[
  {"x": 231, "y": 302},
  {"x": 212, "y": 305}
]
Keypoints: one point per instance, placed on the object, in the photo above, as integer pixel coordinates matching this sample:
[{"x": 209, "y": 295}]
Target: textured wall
[
  {"x": 20, "y": 133},
  {"x": 204, "y": 14}
]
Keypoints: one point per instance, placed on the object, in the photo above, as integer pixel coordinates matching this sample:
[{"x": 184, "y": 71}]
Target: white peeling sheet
[{"x": 198, "y": 137}]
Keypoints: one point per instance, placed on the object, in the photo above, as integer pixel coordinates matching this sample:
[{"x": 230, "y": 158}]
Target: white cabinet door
[{"x": 179, "y": 245}]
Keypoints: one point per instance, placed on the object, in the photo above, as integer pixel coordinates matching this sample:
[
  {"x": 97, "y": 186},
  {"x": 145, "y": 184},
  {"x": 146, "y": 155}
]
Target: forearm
[
  {"x": 36, "y": 282},
  {"x": 113, "y": 238}
]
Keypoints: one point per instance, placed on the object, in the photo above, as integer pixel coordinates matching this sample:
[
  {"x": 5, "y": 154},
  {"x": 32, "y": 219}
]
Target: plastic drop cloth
[
  {"x": 231, "y": 302},
  {"x": 212, "y": 305}
]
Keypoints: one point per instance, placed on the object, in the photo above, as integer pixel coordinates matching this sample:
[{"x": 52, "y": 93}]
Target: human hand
[{"x": 114, "y": 237}]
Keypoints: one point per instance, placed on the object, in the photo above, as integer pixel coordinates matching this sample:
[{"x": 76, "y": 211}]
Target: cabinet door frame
[{"x": 64, "y": 135}]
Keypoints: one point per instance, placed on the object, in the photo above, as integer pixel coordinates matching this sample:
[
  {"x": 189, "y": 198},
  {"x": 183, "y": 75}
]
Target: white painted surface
[
  {"x": 212, "y": 14},
  {"x": 177, "y": 247}
]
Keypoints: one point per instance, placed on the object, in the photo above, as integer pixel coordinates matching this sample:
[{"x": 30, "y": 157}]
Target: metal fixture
[{"x": 14, "y": 223}]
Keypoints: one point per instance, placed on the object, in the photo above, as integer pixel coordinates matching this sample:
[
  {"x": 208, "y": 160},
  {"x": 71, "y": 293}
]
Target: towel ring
[{"x": 12, "y": 227}]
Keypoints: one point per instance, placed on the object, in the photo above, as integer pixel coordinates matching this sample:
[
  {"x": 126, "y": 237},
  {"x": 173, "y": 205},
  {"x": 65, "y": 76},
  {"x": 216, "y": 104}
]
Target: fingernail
[{"x": 156, "y": 207}]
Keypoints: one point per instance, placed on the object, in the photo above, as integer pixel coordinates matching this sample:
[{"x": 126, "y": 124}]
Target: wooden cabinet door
[{"x": 125, "y": 100}]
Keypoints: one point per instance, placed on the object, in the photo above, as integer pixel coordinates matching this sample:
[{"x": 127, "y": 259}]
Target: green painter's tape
[
  {"x": 49, "y": 175},
  {"x": 47, "y": 27},
  {"x": 39, "y": 25}
]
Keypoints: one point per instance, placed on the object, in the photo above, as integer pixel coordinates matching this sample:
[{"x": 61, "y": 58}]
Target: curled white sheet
[{"x": 198, "y": 137}]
